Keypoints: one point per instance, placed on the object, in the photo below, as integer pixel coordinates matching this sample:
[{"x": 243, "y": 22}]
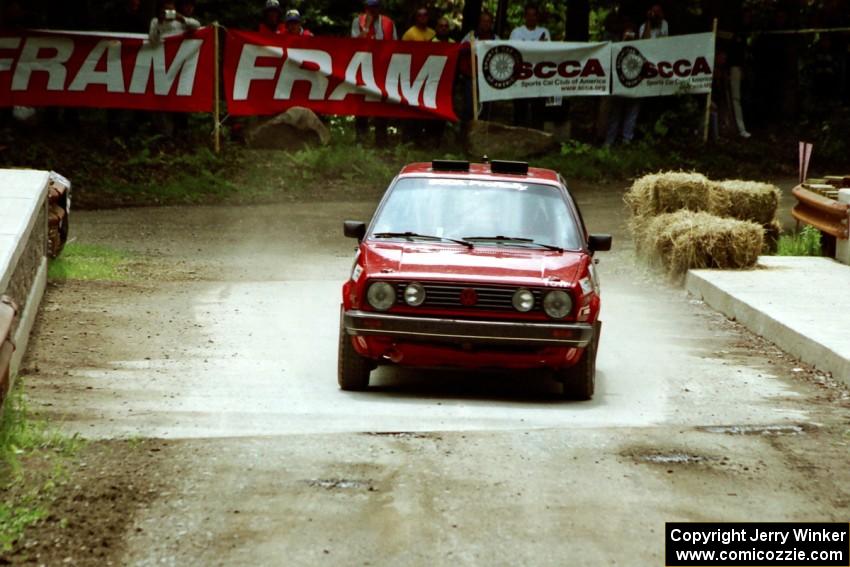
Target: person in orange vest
[{"x": 371, "y": 24}]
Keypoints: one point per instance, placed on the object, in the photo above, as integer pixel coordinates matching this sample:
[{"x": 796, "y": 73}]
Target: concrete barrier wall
[{"x": 23, "y": 250}]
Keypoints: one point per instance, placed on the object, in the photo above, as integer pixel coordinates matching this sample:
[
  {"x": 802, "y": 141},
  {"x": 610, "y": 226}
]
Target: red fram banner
[
  {"x": 268, "y": 74},
  {"x": 108, "y": 71}
]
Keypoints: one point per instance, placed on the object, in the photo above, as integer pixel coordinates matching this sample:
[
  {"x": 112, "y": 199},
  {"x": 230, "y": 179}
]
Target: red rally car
[{"x": 474, "y": 266}]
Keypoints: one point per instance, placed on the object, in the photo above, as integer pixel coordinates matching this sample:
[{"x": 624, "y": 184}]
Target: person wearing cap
[
  {"x": 293, "y": 24},
  {"x": 371, "y": 24},
  {"x": 272, "y": 16},
  {"x": 419, "y": 31}
]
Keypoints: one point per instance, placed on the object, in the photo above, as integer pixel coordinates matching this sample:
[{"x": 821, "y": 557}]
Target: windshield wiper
[
  {"x": 414, "y": 235},
  {"x": 512, "y": 239}
]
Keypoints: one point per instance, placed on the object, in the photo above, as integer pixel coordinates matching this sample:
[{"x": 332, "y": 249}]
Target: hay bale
[
  {"x": 685, "y": 239},
  {"x": 667, "y": 192},
  {"x": 744, "y": 200}
]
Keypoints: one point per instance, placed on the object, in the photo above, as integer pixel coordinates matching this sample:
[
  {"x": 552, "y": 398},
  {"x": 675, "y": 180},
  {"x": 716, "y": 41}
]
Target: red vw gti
[{"x": 473, "y": 266}]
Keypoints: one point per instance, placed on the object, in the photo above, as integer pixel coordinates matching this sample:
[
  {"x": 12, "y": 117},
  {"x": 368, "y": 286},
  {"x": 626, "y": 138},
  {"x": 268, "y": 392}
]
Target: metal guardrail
[
  {"x": 827, "y": 215},
  {"x": 8, "y": 312}
]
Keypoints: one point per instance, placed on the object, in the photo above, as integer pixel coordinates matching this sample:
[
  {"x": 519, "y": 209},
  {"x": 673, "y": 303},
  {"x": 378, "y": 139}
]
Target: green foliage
[
  {"x": 683, "y": 117},
  {"x": 88, "y": 262},
  {"x": 807, "y": 242},
  {"x": 578, "y": 160},
  {"x": 15, "y": 518},
  {"x": 22, "y": 436}
]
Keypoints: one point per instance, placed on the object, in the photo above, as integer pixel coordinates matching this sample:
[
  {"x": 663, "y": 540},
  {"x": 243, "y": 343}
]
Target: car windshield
[{"x": 471, "y": 209}]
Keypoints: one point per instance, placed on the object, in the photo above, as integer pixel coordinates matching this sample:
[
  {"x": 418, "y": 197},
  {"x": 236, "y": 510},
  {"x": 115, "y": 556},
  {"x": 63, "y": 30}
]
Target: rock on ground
[
  {"x": 499, "y": 141},
  {"x": 293, "y": 129}
]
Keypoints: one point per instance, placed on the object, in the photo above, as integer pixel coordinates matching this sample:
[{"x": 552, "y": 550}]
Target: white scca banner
[
  {"x": 664, "y": 66},
  {"x": 533, "y": 69}
]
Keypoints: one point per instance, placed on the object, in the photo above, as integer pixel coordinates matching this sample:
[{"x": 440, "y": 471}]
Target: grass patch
[
  {"x": 25, "y": 498},
  {"x": 578, "y": 160},
  {"x": 807, "y": 242},
  {"x": 88, "y": 262},
  {"x": 340, "y": 169}
]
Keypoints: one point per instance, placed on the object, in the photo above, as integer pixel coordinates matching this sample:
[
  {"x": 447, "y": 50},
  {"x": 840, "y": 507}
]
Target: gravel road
[{"x": 225, "y": 349}]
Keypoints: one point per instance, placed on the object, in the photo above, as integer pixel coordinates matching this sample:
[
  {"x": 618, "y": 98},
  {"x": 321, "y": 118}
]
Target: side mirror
[
  {"x": 354, "y": 229},
  {"x": 599, "y": 242}
]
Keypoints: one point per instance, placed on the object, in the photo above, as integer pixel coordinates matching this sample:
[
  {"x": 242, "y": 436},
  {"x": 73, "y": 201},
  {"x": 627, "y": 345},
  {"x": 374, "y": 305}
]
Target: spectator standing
[
  {"x": 484, "y": 32},
  {"x": 529, "y": 112},
  {"x": 655, "y": 25},
  {"x": 294, "y": 26},
  {"x": 622, "y": 105},
  {"x": 272, "y": 16},
  {"x": 443, "y": 31},
  {"x": 737, "y": 52},
  {"x": 436, "y": 128},
  {"x": 613, "y": 27},
  {"x": 420, "y": 30},
  {"x": 170, "y": 21},
  {"x": 371, "y": 24},
  {"x": 413, "y": 130}
]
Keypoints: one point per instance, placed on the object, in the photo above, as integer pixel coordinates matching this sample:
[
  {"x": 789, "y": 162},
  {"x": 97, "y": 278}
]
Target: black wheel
[
  {"x": 352, "y": 369},
  {"x": 580, "y": 380}
]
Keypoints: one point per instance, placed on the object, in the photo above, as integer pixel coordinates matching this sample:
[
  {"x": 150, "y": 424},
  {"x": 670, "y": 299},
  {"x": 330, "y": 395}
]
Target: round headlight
[
  {"x": 523, "y": 300},
  {"x": 381, "y": 296},
  {"x": 414, "y": 294},
  {"x": 557, "y": 304}
]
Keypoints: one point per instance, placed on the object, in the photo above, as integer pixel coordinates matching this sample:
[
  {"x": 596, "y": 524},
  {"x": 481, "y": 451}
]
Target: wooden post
[
  {"x": 474, "y": 80},
  {"x": 216, "y": 93},
  {"x": 707, "y": 122}
]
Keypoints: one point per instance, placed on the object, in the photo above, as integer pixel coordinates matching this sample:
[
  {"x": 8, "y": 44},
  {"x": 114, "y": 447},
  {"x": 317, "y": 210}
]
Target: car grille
[{"x": 489, "y": 297}]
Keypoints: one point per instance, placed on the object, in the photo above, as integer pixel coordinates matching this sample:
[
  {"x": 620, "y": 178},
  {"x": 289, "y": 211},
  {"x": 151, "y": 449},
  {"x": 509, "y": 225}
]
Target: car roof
[{"x": 481, "y": 171}]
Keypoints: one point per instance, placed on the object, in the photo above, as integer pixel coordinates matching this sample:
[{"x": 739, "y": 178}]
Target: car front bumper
[{"x": 460, "y": 331}]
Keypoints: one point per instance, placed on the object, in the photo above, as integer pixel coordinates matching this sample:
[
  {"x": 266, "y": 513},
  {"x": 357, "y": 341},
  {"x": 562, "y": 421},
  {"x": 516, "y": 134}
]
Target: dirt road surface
[{"x": 224, "y": 348}]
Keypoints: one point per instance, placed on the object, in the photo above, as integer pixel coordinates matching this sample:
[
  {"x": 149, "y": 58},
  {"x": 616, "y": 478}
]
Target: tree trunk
[
  {"x": 471, "y": 13},
  {"x": 502, "y": 20},
  {"x": 578, "y": 20}
]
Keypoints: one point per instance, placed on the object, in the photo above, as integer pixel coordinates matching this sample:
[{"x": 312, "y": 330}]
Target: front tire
[
  {"x": 352, "y": 369},
  {"x": 580, "y": 380}
]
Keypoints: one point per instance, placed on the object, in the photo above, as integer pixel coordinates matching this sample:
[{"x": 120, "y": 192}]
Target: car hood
[{"x": 458, "y": 263}]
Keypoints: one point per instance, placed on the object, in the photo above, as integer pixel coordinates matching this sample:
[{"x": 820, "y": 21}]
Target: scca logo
[
  {"x": 633, "y": 67},
  {"x": 565, "y": 69},
  {"x": 503, "y": 66},
  {"x": 500, "y": 66}
]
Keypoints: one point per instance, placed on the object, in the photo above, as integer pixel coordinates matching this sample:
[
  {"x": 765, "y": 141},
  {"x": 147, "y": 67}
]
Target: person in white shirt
[
  {"x": 531, "y": 31},
  {"x": 528, "y": 112},
  {"x": 173, "y": 18},
  {"x": 170, "y": 21},
  {"x": 655, "y": 25}
]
